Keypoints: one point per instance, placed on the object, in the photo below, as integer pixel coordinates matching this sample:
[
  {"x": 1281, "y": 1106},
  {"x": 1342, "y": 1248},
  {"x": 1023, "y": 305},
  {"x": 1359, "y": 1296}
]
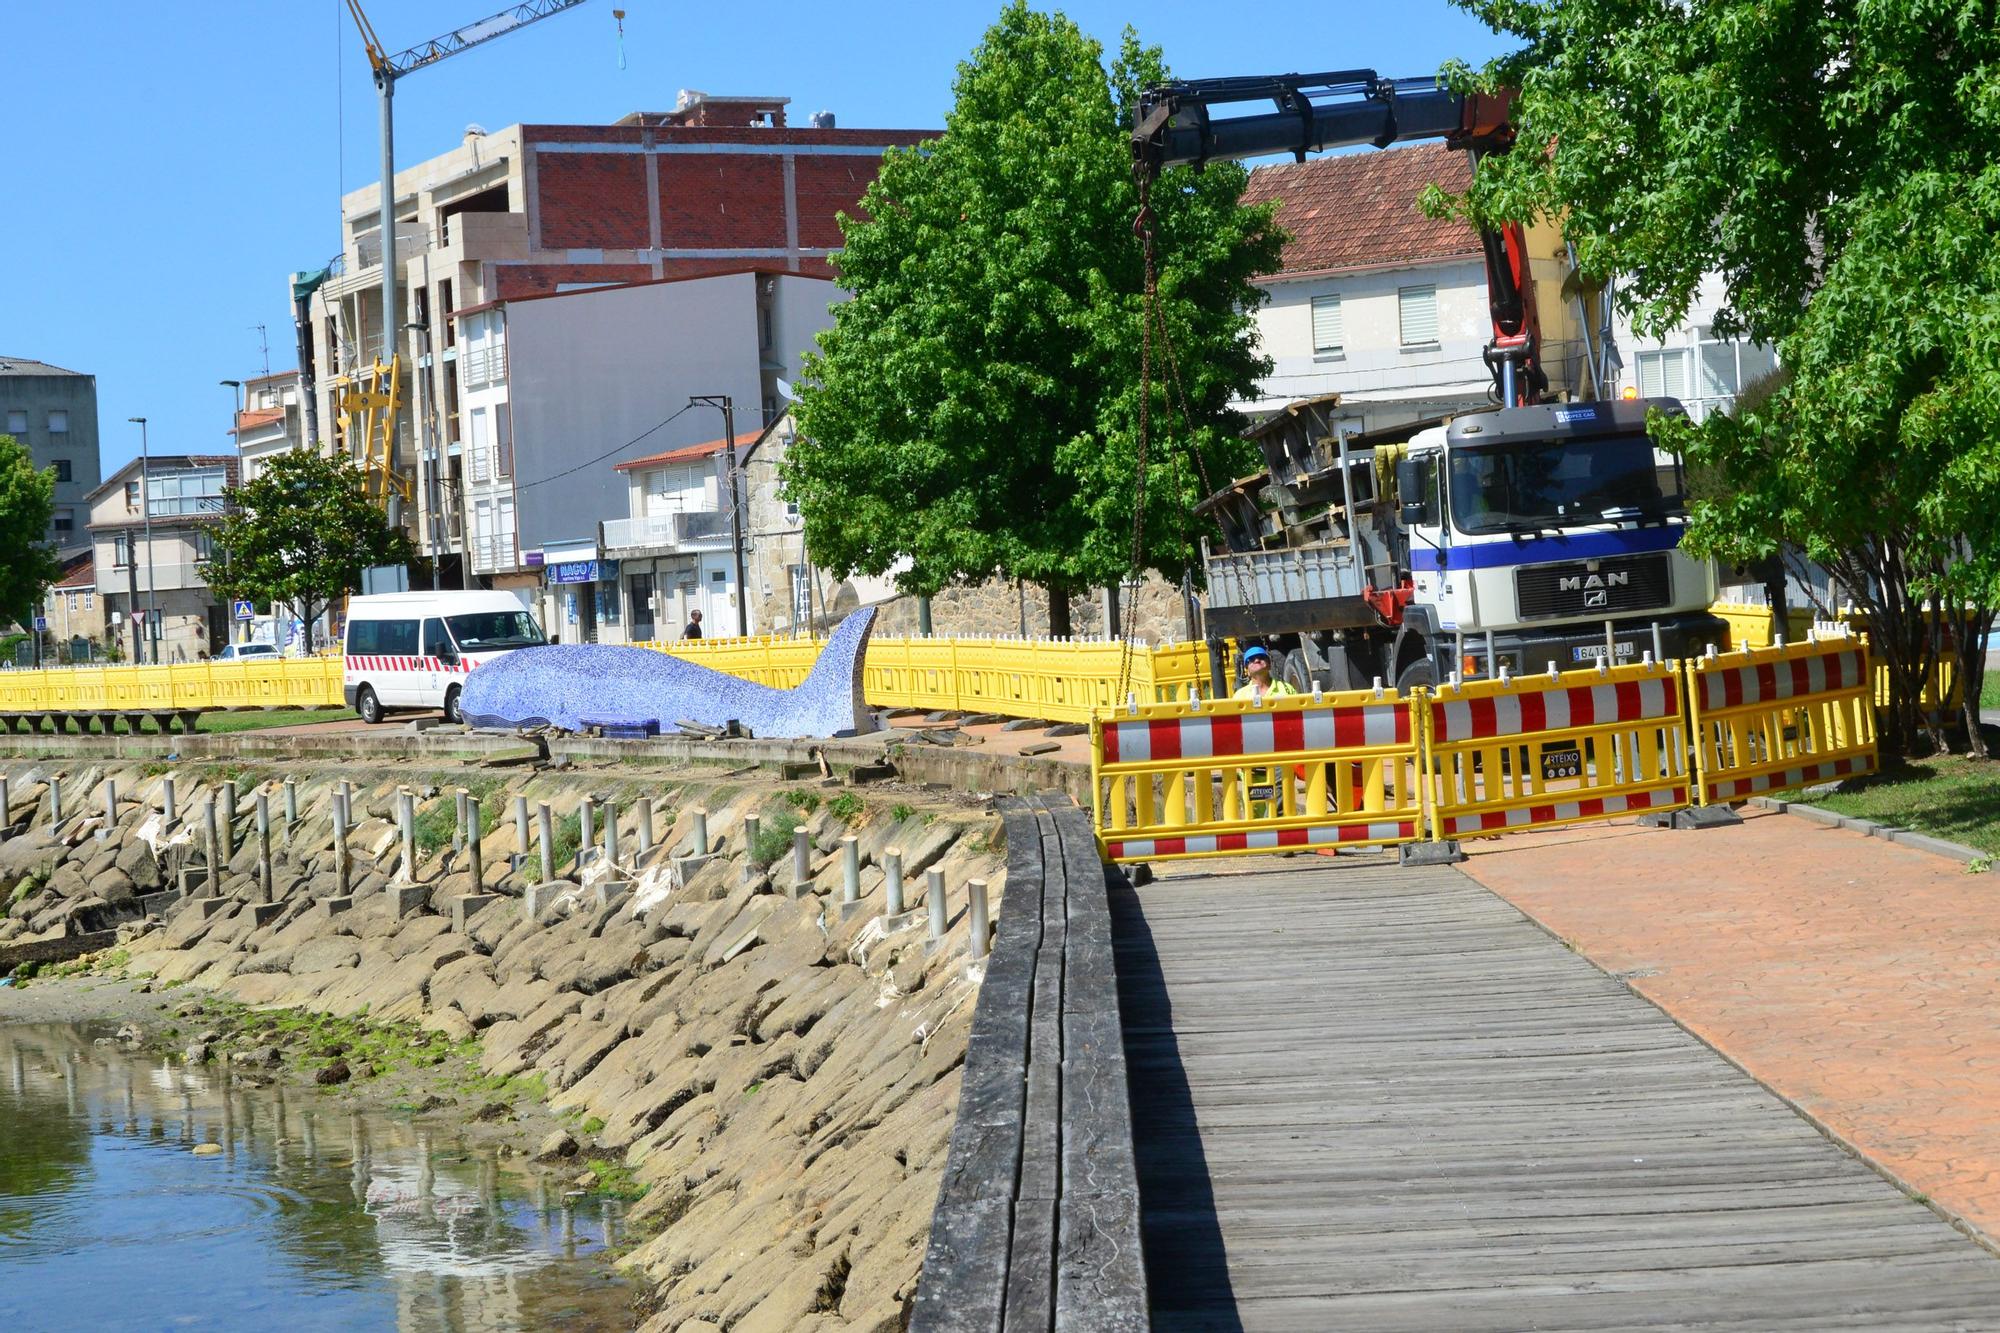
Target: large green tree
[
  {"x": 302, "y": 532},
  {"x": 27, "y": 565},
  {"x": 975, "y": 409},
  {"x": 1834, "y": 162}
]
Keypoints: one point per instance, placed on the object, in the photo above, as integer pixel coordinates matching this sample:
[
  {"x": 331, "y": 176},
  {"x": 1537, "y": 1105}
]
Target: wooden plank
[
  {"x": 1364, "y": 1096},
  {"x": 1031, "y": 1269}
]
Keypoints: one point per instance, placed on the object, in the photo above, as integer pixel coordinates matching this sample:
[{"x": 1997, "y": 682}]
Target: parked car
[
  {"x": 238, "y": 652},
  {"x": 415, "y": 649}
]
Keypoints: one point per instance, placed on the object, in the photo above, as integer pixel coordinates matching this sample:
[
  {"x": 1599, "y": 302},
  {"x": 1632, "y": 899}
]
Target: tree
[
  {"x": 1833, "y": 162},
  {"x": 27, "y": 565},
  {"x": 974, "y": 411},
  {"x": 300, "y": 532}
]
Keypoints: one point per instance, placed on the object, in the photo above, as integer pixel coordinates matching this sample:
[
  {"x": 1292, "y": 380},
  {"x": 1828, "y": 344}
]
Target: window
[
  {"x": 17, "y": 423},
  {"x": 436, "y": 642},
  {"x": 1664, "y": 374},
  {"x": 481, "y": 443},
  {"x": 132, "y": 497},
  {"x": 491, "y": 631},
  {"x": 764, "y": 327},
  {"x": 390, "y": 638},
  {"x": 63, "y": 470},
  {"x": 63, "y": 520},
  {"x": 204, "y": 545},
  {"x": 1417, "y": 308},
  {"x": 88, "y": 598},
  {"x": 195, "y": 492},
  {"x": 121, "y": 551},
  {"x": 607, "y": 603},
  {"x": 58, "y": 423},
  {"x": 1327, "y": 332},
  {"x": 503, "y": 447}
]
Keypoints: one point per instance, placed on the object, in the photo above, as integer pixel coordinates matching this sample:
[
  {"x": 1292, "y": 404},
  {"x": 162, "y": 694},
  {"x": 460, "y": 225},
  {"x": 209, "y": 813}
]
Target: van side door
[
  {"x": 440, "y": 660},
  {"x": 396, "y": 644}
]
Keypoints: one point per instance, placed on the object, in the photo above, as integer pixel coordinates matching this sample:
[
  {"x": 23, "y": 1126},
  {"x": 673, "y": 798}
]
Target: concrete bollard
[
  {"x": 55, "y": 803},
  {"x": 227, "y": 820},
  {"x": 406, "y": 824},
  {"x": 341, "y": 869},
  {"x": 266, "y": 880},
  {"x": 545, "y": 839},
  {"x": 934, "y": 899},
  {"x": 699, "y": 846},
  {"x": 110, "y": 806},
  {"x": 458, "y": 830},
  {"x": 850, "y": 869},
  {"x": 475, "y": 848},
  {"x": 611, "y": 833},
  {"x": 975, "y": 898},
  {"x": 291, "y": 808},
  {"x": 7, "y": 802},
  {"x": 753, "y": 829},
  {"x": 169, "y": 806},
  {"x": 212, "y": 843},
  {"x": 645, "y": 827},
  {"x": 802, "y": 853},
  {"x": 892, "y": 887},
  {"x": 586, "y": 831},
  {"x": 521, "y": 824}
]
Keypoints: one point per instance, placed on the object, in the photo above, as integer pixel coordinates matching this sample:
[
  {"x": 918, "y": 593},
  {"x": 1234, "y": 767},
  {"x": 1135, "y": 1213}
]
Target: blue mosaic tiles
[{"x": 579, "y": 686}]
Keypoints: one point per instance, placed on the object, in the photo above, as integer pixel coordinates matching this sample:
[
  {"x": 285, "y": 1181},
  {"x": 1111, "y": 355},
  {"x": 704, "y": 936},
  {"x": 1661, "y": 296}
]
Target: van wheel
[
  {"x": 366, "y": 704},
  {"x": 451, "y": 713}
]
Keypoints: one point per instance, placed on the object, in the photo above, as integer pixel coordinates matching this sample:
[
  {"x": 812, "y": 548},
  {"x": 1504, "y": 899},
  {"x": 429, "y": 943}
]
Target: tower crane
[{"x": 376, "y": 406}]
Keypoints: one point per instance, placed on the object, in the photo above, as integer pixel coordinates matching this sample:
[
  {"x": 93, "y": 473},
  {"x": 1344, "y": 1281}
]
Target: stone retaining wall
[{"x": 781, "y": 1071}]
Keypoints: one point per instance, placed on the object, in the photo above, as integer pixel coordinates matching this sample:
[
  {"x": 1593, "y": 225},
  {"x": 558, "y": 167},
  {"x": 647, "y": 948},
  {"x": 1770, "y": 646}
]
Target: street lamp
[
  {"x": 146, "y": 515},
  {"x": 722, "y": 401}
]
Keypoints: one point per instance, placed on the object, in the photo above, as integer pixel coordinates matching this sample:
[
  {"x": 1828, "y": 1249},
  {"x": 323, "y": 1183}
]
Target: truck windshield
[
  {"x": 1542, "y": 484},
  {"x": 490, "y": 631}
]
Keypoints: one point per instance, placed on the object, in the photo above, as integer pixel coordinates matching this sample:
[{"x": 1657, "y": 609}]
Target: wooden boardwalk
[{"x": 1371, "y": 1097}]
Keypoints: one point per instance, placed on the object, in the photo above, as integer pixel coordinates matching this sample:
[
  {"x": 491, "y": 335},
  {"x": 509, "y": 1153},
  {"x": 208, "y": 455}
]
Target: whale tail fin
[{"x": 834, "y": 688}]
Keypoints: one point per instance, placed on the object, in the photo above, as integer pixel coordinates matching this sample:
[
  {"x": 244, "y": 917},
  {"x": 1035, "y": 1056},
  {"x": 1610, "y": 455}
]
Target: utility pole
[
  {"x": 236, "y": 409},
  {"x": 427, "y": 452},
  {"x": 722, "y": 400},
  {"x": 146, "y": 515}
]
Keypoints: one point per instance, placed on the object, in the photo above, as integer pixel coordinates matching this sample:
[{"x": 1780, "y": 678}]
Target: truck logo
[
  {"x": 1589, "y": 582},
  {"x": 1602, "y": 597}
]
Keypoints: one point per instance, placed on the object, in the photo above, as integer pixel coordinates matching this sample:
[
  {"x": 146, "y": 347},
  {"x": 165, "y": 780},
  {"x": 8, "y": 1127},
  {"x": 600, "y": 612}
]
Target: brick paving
[{"x": 1858, "y": 979}]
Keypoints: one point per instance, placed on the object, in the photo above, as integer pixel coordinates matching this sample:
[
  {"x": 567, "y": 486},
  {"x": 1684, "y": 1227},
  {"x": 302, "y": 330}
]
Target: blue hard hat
[{"x": 1254, "y": 652}]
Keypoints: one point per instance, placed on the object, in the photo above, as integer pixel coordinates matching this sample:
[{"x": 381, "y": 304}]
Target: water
[{"x": 309, "y": 1219}]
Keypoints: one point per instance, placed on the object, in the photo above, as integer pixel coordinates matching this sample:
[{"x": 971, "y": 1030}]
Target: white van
[{"x": 415, "y": 649}]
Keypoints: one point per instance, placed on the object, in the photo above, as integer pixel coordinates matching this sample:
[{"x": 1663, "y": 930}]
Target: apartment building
[
  {"x": 1690, "y": 362},
  {"x": 268, "y": 421},
  {"x": 1382, "y": 305},
  {"x": 716, "y": 185},
  {"x": 561, "y": 389},
  {"x": 53, "y": 413},
  {"x": 150, "y": 528}
]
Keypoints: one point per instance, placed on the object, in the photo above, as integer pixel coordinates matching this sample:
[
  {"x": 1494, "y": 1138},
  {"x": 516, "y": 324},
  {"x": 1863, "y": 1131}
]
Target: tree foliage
[
  {"x": 27, "y": 565},
  {"x": 1834, "y": 163},
  {"x": 301, "y": 532},
  {"x": 974, "y": 410}
]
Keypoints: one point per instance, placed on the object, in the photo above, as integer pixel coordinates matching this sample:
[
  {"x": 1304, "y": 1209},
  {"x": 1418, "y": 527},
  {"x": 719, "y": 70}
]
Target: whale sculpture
[{"x": 580, "y": 686}]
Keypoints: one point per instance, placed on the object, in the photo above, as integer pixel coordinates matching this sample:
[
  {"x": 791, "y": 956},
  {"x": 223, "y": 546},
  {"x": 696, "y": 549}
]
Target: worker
[
  {"x": 693, "y": 627},
  {"x": 1257, "y": 682}
]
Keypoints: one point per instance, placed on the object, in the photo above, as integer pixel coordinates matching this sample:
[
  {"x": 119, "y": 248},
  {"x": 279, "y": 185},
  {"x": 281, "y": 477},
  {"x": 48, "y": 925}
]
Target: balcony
[
  {"x": 691, "y": 530},
  {"x": 487, "y": 235},
  {"x": 411, "y": 241}
]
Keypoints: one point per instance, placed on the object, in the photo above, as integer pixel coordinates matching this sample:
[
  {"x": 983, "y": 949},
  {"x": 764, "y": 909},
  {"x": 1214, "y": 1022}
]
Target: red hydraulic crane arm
[{"x": 1344, "y": 109}]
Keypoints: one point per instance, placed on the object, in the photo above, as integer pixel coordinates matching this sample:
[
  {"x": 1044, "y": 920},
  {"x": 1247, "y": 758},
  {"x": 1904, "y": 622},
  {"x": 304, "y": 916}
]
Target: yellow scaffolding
[{"x": 369, "y": 402}]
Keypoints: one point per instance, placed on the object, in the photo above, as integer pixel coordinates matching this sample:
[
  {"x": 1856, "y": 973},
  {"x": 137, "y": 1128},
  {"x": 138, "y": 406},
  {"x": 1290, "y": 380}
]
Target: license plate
[
  {"x": 1594, "y": 652},
  {"x": 1562, "y": 764}
]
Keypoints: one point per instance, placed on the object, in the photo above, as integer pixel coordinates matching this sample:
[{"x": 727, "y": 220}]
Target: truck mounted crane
[{"x": 1537, "y": 533}]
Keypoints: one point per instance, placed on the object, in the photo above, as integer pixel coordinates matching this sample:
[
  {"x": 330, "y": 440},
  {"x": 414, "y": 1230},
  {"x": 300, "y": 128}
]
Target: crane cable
[{"x": 1143, "y": 225}]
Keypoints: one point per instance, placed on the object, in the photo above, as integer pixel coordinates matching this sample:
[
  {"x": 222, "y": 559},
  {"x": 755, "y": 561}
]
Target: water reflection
[{"x": 310, "y": 1216}]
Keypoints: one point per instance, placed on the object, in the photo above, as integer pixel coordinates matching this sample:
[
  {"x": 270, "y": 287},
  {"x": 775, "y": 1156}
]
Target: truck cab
[{"x": 1550, "y": 535}]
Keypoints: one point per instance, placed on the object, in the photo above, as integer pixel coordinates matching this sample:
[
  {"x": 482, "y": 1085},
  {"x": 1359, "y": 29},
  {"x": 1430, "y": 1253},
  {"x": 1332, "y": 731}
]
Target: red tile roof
[
  {"x": 685, "y": 454},
  {"x": 258, "y": 416},
  {"x": 1360, "y": 209},
  {"x": 79, "y": 573}
]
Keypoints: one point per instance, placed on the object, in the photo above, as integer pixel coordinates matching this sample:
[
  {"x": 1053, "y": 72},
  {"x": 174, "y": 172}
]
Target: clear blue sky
[{"x": 166, "y": 166}]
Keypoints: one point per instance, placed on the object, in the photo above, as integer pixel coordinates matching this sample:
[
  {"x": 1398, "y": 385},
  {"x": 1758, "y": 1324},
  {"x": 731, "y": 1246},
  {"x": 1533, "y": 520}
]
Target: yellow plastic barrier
[
  {"x": 1766, "y": 719},
  {"x": 1231, "y": 777},
  {"x": 1541, "y": 751}
]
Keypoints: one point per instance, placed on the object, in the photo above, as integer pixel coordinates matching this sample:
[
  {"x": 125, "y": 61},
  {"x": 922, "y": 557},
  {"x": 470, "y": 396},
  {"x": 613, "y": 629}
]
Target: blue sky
[{"x": 167, "y": 165}]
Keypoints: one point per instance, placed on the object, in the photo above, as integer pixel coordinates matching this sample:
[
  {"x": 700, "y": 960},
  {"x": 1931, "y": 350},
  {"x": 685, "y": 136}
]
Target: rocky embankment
[{"x": 778, "y": 1069}]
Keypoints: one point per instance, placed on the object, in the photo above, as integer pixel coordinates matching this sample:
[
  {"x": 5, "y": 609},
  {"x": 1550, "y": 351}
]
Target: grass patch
[
  {"x": 215, "y": 723},
  {"x": 594, "y": 1125},
  {"x": 437, "y": 822},
  {"x": 901, "y": 813},
  {"x": 90, "y": 964},
  {"x": 1989, "y": 690},
  {"x": 774, "y": 839},
  {"x": 1947, "y": 796},
  {"x": 807, "y": 801},
  {"x": 615, "y": 1180},
  {"x": 845, "y": 807}
]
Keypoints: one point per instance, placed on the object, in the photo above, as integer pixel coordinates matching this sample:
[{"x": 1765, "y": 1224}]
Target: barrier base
[
  {"x": 1695, "y": 816},
  {"x": 1446, "y": 853}
]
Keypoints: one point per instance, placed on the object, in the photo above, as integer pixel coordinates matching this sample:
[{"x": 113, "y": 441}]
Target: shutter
[
  {"x": 1327, "y": 336},
  {"x": 1419, "y": 310}
]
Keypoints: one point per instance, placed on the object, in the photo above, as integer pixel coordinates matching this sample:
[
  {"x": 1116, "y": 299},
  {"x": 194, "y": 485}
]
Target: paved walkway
[
  {"x": 1858, "y": 978},
  {"x": 1371, "y": 1097}
]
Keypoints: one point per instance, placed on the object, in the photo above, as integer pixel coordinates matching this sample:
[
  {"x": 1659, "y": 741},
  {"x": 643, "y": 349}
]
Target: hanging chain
[{"x": 1143, "y": 225}]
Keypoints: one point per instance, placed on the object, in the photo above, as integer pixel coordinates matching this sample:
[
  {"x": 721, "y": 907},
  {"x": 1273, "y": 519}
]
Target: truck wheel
[
  {"x": 367, "y": 705},
  {"x": 1415, "y": 674},
  {"x": 451, "y": 713},
  {"x": 1292, "y": 669}
]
